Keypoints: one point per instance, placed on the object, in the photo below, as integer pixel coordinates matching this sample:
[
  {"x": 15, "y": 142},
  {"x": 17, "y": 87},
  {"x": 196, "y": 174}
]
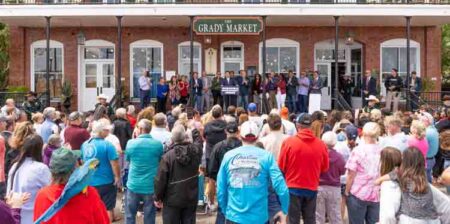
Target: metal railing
[
  {"x": 431, "y": 100},
  {"x": 81, "y": 2},
  {"x": 341, "y": 103}
]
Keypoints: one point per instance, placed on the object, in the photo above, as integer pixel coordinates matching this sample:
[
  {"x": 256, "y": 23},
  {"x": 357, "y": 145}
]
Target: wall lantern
[
  {"x": 207, "y": 40},
  {"x": 81, "y": 39},
  {"x": 349, "y": 38}
]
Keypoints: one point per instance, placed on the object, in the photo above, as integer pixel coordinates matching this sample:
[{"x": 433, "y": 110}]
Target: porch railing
[
  {"x": 45, "y": 2},
  {"x": 432, "y": 100}
]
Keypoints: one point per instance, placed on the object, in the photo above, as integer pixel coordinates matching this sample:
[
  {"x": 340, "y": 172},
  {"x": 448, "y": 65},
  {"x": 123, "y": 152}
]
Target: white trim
[
  {"x": 231, "y": 44},
  {"x": 225, "y": 9},
  {"x": 146, "y": 43},
  {"x": 397, "y": 43},
  {"x": 98, "y": 43},
  {"x": 281, "y": 42},
  {"x": 43, "y": 44},
  {"x": 199, "y": 60}
]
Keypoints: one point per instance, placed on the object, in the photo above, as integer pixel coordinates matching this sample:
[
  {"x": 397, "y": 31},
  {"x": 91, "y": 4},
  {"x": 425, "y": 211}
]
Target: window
[
  {"x": 38, "y": 67},
  {"x": 393, "y": 55},
  {"x": 232, "y": 55},
  {"x": 146, "y": 55},
  {"x": 184, "y": 61},
  {"x": 328, "y": 54},
  {"x": 282, "y": 55}
]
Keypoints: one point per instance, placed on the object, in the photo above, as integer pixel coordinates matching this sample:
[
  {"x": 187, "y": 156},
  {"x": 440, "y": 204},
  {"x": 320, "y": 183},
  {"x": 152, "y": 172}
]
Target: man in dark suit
[
  {"x": 228, "y": 81},
  {"x": 415, "y": 86},
  {"x": 369, "y": 86},
  {"x": 197, "y": 87}
]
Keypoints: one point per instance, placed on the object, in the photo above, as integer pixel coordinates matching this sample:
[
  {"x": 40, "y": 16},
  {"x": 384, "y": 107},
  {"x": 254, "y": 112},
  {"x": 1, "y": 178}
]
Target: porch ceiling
[{"x": 183, "y": 21}]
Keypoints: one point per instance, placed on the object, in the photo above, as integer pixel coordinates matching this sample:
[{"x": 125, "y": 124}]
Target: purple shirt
[
  {"x": 9, "y": 215},
  {"x": 48, "y": 154},
  {"x": 303, "y": 90},
  {"x": 337, "y": 168}
]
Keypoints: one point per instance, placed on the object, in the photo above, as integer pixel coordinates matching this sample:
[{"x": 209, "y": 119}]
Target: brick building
[{"x": 156, "y": 37}]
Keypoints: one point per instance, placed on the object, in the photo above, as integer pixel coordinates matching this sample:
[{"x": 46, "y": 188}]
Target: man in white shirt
[
  {"x": 395, "y": 137},
  {"x": 290, "y": 128},
  {"x": 145, "y": 85},
  {"x": 272, "y": 142},
  {"x": 160, "y": 132}
]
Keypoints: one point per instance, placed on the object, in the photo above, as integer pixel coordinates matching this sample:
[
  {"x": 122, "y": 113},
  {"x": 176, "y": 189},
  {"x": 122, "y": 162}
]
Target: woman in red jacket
[
  {"x": 183, "y": 87},
  {"x": 281, "y": 91}
]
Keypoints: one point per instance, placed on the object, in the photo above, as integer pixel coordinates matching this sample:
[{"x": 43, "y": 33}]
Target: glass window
[
  {"x": 108, "y": 75},
  {"x": 145, "y": 59},
  {"x": 184, "y": 59},
  {"x": 99, "y": 53},
  {"x": 232, "y": 52},
  {"x": 395, "y": 57},
  {"x": 56, "y": 71},
  {"x": 328, "y": 54},
  {"x": 91, "y": 76},
  {"x": 281, "y": 59}
]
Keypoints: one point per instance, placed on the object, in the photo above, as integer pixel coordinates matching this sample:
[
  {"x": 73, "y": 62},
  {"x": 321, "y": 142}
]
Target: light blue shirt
[
  {"x": 144, "y": 154},
  {"x": 433, "y": 141},
  {"x": 243, "y": 185},
  {"x": 48, "y": 128},
  {"x": 398, "y": 141},
  {"x": 105, "y": 152},
  {"x": 303, "y": 90},
  {"x": 30, "y": 177}
]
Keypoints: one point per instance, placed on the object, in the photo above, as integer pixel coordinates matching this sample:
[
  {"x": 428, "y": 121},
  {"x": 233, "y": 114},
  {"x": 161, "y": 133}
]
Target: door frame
[
  {"x": 81, "y": 64},
  {"x": 328, "y": 87},
  {"x": 232, "y": 44}
]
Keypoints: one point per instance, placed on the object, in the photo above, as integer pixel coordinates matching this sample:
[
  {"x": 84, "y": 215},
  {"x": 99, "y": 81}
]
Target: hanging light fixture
[
  {"x": 349, "y": 38},
  {"x": 207, "y": 39},
  {"x": 81, "y": 39}
]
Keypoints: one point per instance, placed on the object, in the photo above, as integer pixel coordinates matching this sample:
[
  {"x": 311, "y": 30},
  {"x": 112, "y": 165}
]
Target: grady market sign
[{"x": 229, "y": 25}]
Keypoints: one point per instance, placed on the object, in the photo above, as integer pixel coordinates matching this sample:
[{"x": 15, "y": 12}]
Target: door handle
[
  {"x": 97, "y": 91},
  {"x": 101, "y": 90},
  {"x": 328, "y": 90}
]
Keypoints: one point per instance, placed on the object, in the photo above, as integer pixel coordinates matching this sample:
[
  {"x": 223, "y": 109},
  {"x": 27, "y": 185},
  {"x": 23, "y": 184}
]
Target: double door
[{"x": 98, "y": 78}]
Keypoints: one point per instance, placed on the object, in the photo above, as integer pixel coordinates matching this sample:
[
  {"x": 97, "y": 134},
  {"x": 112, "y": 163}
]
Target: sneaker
[{"x": 212, "y": 207}]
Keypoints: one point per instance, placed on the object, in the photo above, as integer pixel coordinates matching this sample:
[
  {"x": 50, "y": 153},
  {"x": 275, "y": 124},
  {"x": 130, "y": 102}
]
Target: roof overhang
[{"x": 178, "y": 15}]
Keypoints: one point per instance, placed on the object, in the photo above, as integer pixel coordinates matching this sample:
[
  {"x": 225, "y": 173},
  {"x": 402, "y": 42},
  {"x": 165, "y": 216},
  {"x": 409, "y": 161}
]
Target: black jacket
[
  {"x": 122, "y": 130},
  {"x": 176, "y": 183},
  {"x": 396, "y": 82},
  {"x": 371, "y": 88},
  {"x": 214, "y": 132},
  {"x": 291, "y": 86},
  {"x": 218, "y": 152}
]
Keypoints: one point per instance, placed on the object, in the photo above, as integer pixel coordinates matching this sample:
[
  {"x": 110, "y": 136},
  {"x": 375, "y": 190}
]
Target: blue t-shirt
[
  {"x": 433, "y": 141},
  {"x": 144, "y": 154},
  {"x": 243, "y": 185},
  {"x": 105, "y": 152}
]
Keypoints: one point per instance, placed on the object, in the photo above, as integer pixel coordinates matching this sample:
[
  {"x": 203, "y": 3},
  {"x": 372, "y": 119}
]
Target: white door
[
  {"x": 325, "y": 74},
  {"x": 98, "y": 79}
]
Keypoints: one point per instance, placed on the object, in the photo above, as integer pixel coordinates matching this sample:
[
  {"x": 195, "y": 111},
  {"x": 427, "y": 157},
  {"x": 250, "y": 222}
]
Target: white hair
[
  {"x": 131, "y": 109},
  {"x": 48, "y": 112},
  {"x": 176, "y": 111},
  {"x": 146, "y": 125},
  {"x": 100, "y": 125},
  {"x": 121, "y": 112},
  {"x": 371, "y": 129},
  {"x": 178, "y": 133},
  {"x": 329, "y": 138}
]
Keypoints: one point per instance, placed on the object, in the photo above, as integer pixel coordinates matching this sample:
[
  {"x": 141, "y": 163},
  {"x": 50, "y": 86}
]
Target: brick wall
[{"x": 370, "y": 37}]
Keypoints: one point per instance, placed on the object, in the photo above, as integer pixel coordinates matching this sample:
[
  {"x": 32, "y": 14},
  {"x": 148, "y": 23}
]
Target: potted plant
[{"x": 66, "y": 95}]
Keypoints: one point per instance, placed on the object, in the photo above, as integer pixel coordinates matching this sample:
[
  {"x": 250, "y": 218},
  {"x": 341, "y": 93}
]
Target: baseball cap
[
  {"x": 352, "y": 132},
  {"x": 232, "y": 127},
  {"x": 252, "y": 107},
  {"x": 64, "y": 160},
  {"x": 249, "y": 131},
  {"x": 303, "y": 118},
  {"x": 284, "y": 113}
]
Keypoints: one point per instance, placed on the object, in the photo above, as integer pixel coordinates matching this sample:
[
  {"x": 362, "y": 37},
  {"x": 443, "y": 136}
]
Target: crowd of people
[{"x": 364, "y": 166}]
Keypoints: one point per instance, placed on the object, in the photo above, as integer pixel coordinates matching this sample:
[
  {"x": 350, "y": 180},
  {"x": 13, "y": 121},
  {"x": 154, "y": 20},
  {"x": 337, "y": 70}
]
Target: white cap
[
  {"x": 249, "y": 130},
  {"x": 102, "y": 96}
]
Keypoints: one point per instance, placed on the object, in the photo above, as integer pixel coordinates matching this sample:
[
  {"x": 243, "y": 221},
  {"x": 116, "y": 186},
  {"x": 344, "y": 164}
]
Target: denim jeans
[
  {"x": 360, "y": 211},
  {"x": 132, "y": 204},
  {"x": 430, "y": 165},
  {"x": 243, "y": 101},
  {"x": 292, "y": 103},
  {"x": 302, "y": 103},
  {"x": 145, "y": 98},
  {"x": 199, "y": 103}
]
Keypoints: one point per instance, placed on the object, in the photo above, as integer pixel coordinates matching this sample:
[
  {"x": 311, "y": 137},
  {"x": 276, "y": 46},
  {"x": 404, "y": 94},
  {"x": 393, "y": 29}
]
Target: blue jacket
[
  {"x": 227, "y": 83},
  {"x": 161, "y": 89},
  {"x": 244, "y": 89},
  {"x": 197, "y": 90},
  {"x": 144, "y": 154},
  {"x": 47, "y": 129},
  {"x": 243, "y": 185}
]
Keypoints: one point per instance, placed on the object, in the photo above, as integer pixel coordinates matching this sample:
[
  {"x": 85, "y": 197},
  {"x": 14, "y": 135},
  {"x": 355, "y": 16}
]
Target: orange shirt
[{"x": 86, "y": 208}]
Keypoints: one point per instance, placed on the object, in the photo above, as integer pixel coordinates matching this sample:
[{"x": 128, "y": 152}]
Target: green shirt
[{"x": 144, "y": 154}]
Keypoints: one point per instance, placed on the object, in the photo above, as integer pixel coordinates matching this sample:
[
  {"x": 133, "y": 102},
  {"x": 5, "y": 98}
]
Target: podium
[
  {"x": 230, "y": 90},
  {"x": 314, "y": 102}
]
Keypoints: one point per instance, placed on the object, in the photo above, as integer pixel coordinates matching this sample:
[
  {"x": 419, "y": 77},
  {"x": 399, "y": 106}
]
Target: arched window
[
  {"x": 39, "y": 65},
  {"x": 184, "y": 60},
  {"x": 282, "y": 55},
  {"x": 145, "y": 55}
]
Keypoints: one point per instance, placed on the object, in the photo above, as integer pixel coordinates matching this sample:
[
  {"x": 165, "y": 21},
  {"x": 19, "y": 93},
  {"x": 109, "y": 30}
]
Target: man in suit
[
  {"x": 316, "y": 83},
  {"x": 228, "y": 81},
  {"x": 369, "y": 86},
  {"x": 291, "y": 89},
  {"x": 197, "y": 90},
  {"x": 415, "y": 86}
]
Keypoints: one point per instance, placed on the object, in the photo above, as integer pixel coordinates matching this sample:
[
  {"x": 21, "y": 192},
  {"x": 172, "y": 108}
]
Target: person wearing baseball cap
[
  {"x": 253, "y": 114},
  {"x": 62, "y": 164},
  {"x": 302, "y": 159},
  {"x": 244, "y": 178},
  {"x": 289, "y": 127}
]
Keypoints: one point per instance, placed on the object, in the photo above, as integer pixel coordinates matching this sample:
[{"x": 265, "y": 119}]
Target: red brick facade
[{"x": 370, "y": 37}]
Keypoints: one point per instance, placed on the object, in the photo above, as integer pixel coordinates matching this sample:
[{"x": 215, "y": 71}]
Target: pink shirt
[
  {"x": 421, "y": 144},
  {"x": 365, "y": 161}
]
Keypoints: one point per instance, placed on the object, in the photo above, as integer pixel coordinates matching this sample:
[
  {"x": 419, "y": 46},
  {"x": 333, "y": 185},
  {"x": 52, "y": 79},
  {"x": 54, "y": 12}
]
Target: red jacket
[
  {"x": 282, "y": 85},
  {"x": 302, "y": 158},
  {"x": 86, "y": 208}
]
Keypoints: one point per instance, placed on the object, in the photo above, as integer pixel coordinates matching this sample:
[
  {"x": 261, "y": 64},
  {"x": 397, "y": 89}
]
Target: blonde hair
[
  {"x": 372, "y": 130},
  {"x": 21, "y": 131},
  {"x": 375, "y": 115},
  {"x": 35, "y": 118},
  {"x": 420, "y": 128},
  {"x": 393, "y": 120}
]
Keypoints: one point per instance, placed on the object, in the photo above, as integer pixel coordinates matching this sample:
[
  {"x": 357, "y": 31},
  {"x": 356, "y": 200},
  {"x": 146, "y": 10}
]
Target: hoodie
[
  {"x": 93, "y": 210},
  {"x": 213, "y": 133},
  {"x": 302, "y": 159},
  {"x": 218, "y": 153},
  {"x": 337, "y": 168},
  {"x": 176, "y": 183}
]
